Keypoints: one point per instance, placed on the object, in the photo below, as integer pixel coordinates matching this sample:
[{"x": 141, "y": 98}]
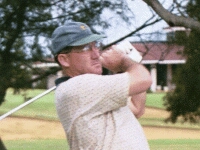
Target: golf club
[
  {"x": 44, "y": 93},
  {"x": 27, "y": 103}
]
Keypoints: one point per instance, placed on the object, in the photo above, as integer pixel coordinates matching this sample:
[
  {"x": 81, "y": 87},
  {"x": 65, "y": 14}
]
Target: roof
[
  {"x": 153, "y": 53},
  {"x": 162, "y": 53}
]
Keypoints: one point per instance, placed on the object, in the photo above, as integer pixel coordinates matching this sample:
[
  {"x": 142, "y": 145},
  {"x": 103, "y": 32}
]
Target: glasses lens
[
  {"x": 86, "y": 48},
  {"x": 93, "y": 45},
  {"x": 98, "y": 45}
]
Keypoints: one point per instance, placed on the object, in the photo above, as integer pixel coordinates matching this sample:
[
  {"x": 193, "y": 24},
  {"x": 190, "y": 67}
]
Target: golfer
[{"x": 98, "y": 112}]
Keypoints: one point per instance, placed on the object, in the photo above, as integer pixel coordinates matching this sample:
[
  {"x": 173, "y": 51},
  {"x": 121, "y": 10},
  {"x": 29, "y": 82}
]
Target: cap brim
[{"x": 88, "y": 39}]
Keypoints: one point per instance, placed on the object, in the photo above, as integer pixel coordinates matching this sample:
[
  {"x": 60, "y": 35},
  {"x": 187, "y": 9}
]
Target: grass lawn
[
  {"x": 155, "y": 100},
  {"x": 49, "y": 144},
  {"x": 45, "y": 108},
  {"x": 177, "y": 144}
]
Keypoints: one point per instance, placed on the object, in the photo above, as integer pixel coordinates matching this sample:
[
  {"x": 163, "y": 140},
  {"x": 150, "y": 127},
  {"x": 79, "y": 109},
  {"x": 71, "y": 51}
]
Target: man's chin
[{"x": 98, "y": 71}]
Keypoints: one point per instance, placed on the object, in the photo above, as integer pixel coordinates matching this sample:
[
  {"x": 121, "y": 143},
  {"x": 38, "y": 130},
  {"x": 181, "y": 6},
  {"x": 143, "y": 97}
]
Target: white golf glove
[{"x": 127, "y": 48}]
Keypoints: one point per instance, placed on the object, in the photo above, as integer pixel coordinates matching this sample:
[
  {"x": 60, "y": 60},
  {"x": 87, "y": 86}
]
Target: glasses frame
[
  {"x": 87, "y": 47},
  {"x": 93, "y": 45}
]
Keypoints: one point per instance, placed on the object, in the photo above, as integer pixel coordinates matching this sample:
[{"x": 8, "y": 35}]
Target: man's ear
[{"x": 63, "y": 60}]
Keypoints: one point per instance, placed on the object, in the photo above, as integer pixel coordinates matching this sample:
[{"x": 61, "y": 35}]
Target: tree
[
  {"x": 175, "y": 19},
  {"x": 185, "y": 99},
  {"x": 26, "y": 27},
  {"x": 21, "y": 24}
]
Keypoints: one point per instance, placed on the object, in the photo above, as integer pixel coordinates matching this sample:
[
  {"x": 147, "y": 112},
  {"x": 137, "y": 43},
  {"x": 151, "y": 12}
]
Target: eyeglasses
[
  {"x": 78, "y": 49},
  {"x": 88, "y": 47}
]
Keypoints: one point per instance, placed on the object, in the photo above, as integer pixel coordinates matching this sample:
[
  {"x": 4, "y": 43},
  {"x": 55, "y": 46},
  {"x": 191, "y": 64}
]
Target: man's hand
[
  {"x": 127, "y": 48},
  {"x": 137, "y": 104},
  {"x": 116, "y": 61},
  {"x": 112, "y": 59}
]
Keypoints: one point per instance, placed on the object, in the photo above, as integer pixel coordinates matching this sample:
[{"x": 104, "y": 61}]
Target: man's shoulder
[
  {"x": 85, "y": 78},
  {"x": 93, "y": 79}
]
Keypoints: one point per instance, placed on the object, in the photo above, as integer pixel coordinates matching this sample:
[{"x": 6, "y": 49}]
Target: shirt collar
[{"x": 60, "y": 80}]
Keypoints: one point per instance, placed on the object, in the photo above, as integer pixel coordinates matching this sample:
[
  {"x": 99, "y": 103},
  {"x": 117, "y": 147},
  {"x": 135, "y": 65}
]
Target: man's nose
[{"x": 95, "y": 52}]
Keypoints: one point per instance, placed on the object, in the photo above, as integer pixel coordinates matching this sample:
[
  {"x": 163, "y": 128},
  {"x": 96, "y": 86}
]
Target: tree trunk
[
  {"x": 172, "y": 19},
  {"x": 2, "y": 146},
  {"x": 2, "y": 94}
]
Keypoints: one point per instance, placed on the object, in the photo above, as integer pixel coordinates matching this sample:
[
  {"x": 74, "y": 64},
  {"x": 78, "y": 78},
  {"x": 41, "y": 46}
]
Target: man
[{"x": 93, "y": 108}]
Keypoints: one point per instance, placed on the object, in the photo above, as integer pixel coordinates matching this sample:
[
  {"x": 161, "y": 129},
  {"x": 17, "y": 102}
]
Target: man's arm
[
  {"x": 137, "y": 104},
  {"x": 117, "y": 61}
]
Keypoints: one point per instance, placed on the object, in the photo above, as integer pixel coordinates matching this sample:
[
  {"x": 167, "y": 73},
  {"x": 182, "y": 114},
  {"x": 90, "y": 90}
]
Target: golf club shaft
[
  {"x": 27, "y": 103},
  {"x": 31, "y": 100},
  {"x": 42, "y": 94}
]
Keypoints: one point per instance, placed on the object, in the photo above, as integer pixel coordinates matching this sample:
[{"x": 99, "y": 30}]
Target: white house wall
[{"x": 153, "y": 71}]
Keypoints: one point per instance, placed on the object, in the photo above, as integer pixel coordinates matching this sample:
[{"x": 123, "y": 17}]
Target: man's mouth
[{"x": 96, "y": 64}]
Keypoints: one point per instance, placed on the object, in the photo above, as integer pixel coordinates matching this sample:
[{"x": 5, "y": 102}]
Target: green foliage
[
  {"x": 20, "y": 22},
  {"x": 177, "y": 37},
  {"x": 193, "y": 9},
  {"x": 184, "y": 101},
  {"x": 26, "y": 27}
]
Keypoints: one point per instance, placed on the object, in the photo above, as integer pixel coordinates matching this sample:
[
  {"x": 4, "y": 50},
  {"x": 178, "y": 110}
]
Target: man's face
[{"x": 85, "y": 59}]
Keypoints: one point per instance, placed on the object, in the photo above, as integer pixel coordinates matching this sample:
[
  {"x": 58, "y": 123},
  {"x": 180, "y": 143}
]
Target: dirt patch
[
  {"x": 25, "y": 128},
  {"x": 170, "y": 133},
  {"x": 155, "y": 113}
]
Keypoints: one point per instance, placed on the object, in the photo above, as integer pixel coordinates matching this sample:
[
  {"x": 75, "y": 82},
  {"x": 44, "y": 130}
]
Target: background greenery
[
  {"x": 44, "y": 108},
  {"x": 183, "y": 144},
  {"x": 45, "y": 104},
  {"x": 41, "y": 108}
]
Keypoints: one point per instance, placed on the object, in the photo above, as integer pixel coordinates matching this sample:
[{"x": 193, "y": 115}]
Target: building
[{"x": 160, "y": 58}]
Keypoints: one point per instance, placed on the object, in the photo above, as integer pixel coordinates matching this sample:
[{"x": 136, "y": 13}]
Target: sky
[{"x": 142, "y": 12}]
